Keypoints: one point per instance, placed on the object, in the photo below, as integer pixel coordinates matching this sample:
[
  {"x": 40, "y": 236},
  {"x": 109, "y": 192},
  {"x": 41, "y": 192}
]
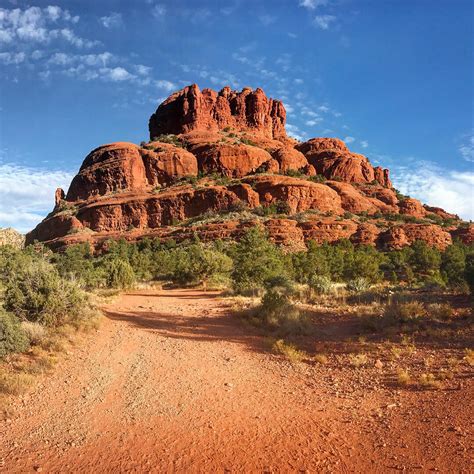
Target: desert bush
[
  {"x": 358, "y": 360},
  {"x": 358, "y": 285},
  {"x": 321, "y": 284},
  {"x": 403, "y": 377},
  {"x": 278, "y": 314},
  {"x": 453, "y": 265},
  {"x": 404, "y": 312},
  {"x": 469, "y": 272},
  {"x": 38, "y": 293},
  {"x": 119, "y": 274},
  {"x": 199, "y": 263},
  {"x": 12, "y": 336},
  {"x": 290, "y": 351},
  {"x": 441, "y": 311},
  {"x": 35, "y": 332}
]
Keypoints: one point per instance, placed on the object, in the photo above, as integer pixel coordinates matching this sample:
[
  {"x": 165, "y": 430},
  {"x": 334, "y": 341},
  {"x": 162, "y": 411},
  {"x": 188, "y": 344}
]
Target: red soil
[{"x": 172, "y": 383}]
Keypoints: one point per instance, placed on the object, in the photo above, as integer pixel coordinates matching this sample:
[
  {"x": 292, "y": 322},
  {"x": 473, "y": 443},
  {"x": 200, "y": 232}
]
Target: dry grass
[
  {"x": 290, "y": 351},
  {"x": 403, "y": 377},
  {"x": 36, "y": 332},
  {"x": 358, "y": 360},
  {"x": 469, "y": 356},
  {"x": 429, "y": 381},
  {"x": 15, "y": 383},
  {"x": 321, "y": 359}
]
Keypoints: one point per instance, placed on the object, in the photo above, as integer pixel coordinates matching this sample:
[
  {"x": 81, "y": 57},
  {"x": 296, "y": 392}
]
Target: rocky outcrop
[
  {"x": 224, "y": 158},
  {"x": 331, "y": 158},
  {"x": 412, "y": 207},
  {"x": 403, "y": 235},
  {"x": 235, "y": 161},
  {"x": 190, "y": 109}
]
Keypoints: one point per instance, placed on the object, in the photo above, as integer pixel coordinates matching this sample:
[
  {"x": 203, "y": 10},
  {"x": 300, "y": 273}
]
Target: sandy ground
[{"x": 172, "y": 383}]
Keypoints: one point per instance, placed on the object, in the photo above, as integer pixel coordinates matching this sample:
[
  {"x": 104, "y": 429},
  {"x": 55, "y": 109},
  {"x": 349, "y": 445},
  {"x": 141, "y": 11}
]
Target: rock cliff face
[
  {"x": 190, "y": 109},
  {"x": 219, "y": 162}
]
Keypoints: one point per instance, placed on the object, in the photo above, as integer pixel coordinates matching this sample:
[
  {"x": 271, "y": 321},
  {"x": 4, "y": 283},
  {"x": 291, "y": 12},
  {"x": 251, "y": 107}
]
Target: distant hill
[{"x": 12, "y": 237}]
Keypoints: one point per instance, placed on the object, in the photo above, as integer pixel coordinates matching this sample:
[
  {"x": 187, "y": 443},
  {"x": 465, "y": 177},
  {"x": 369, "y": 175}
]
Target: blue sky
[{"x": 394, "y": 78}]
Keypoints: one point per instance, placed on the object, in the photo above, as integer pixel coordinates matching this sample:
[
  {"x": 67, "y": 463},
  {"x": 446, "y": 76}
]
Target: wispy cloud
[
  {"x": 313, "y": 4},
  {"x": 267, "y": 19},
  {"x": 27, "y": 194},
  {"x": 349, "y": 140},
  {"x": 467, "y": 147},
  {"x": 364, "y": 144},
  {"x": 324, "y": 21},
  {"x": 158, "y": 11},
  {"x": 114, "y": 20},
  {"x": 451, "y": 190}
]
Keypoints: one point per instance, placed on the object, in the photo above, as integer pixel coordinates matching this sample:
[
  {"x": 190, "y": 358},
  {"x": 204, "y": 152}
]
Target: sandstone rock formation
[{"x": 223, "y": 159}]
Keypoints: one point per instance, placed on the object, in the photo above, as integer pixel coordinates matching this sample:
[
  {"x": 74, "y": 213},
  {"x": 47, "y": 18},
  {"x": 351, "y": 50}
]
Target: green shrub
[
  {"x": 38, "y": 293},
  {"x": 12, "y": 337},
  {"x": 119, "y": 274},
  {"x": 256, "y": 260},
  {"x": 198, "y": 263},
  {"x": 358, "y": 285},
  {"x": 321, "y": 284}
]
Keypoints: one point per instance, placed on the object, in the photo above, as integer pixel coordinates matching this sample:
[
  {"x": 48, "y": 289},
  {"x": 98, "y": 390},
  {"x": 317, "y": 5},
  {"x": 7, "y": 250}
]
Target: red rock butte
[{"x": 218, "y": 163}]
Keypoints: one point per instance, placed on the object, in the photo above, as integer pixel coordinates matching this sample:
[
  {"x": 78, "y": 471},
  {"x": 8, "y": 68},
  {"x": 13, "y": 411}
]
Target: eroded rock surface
[{"x": 224, "y": 157}]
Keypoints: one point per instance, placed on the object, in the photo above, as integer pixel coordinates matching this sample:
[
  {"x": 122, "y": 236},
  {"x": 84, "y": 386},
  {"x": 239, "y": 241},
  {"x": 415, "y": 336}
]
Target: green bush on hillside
[{"x": 12, "y": 337}]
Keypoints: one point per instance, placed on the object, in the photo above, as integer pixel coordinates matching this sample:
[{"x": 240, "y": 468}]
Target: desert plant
[
  {"x": 35, "y": 332},
  {"x": 39, "y": 294},
  {"x": 358, "y": 360},
  {"x": 119, "y": 274},
  {"x": 15, "y": 383},
  {"x": 403, "y": 377},
  {"x": 440, "y": 311},
  {"x": 321, "y": 284},
  {"x": 404, "y": 312},
  {"x": 290, "y": 351},
  {"x": 12, "y": 336},
  {"x": 256, "y": 260},
  {"x": 358, "y": 285}
]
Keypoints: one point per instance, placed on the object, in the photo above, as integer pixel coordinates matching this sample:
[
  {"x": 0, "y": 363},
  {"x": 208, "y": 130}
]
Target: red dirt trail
[{"x": 172, "y": 383}]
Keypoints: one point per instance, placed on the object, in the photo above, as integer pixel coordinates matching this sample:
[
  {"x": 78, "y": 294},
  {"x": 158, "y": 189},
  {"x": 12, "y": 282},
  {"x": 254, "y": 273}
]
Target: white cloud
[
  {"x": 114, "y": 20},
  {"x": 467, "y": 148},
  {"x": 168, "y": 86},
  {"x": 117, "y": 74},
  {"x": 313, "y": 4},
  {"x": 349, "y": 139},
  {"x": 27, "y": 194},
  {"x": 323, "y": 108},
  {"x": 451, "y": 190},
  {"x": 298, "y": 81},
  {"x": 39, "y": 25},
  {"x": 295, "y": 132},
  {"x": 314, "y": 122},
  {"x": 12, "y": 58},
  {"x": 364, "y": 143},
  {"x": 324, "y": 21}
]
